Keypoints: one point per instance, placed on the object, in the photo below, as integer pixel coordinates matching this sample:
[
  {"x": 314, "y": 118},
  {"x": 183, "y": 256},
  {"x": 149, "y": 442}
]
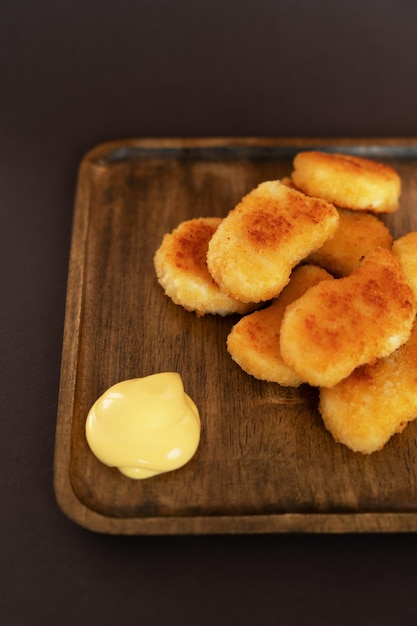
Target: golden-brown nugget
[
  {"x": 260, "y": 241},
  {"x": 288, "y": 182},
  {"x": 338, "y": 325},
  {"x": 405, "y": 249},
  {"x": 253, "y": 342},
  {"x": 350, "y": 182},
  {"x": 375, "y": 401},
  {"x": 357, "y": 234},
  {"x": 181, "y": 269}
]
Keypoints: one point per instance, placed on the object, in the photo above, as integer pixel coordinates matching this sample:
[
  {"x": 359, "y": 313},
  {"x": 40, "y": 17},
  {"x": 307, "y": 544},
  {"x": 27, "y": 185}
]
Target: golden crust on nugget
[
  {"x": 260, "y": 241},
  {"x": 357, "y": 234},
  {"x": 350, "y": 182},
  {"x": 374, "y": 402},
  {"x": 339, "y": 325},
  {"x": 405, "y": 249},
  {"x": 181, "y": 269},
  {"x": 253, "y": 342}
]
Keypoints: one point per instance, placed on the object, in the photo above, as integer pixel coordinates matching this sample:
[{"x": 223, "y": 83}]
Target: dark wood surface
[
  {"x": 265, "y": 462},
  {"x": 72, "y": 76}
]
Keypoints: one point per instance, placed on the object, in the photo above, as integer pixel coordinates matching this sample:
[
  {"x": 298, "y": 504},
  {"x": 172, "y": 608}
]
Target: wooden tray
[{"x": 265, "y": 462}]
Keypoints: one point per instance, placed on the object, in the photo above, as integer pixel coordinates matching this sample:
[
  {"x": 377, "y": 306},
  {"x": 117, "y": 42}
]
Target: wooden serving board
[{"x": 265, "y": 462}]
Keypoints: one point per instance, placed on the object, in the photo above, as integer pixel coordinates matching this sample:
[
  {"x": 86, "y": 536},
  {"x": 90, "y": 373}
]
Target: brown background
[{"x": 75, "y": 74}]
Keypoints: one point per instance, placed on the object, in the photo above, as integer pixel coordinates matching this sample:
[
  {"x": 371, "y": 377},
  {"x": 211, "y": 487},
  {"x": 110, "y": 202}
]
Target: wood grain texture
[{"x": 265, "y": 462}]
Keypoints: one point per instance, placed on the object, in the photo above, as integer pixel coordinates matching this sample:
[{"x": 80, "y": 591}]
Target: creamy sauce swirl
[{"x": 144, "y": 426}]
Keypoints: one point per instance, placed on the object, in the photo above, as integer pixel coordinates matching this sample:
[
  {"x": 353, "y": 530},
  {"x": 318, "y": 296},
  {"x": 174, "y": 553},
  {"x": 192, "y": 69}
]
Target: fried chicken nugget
[
  {"x": 376, "y": 401},
  {"x": 253, "y": 342},
  {"x": 260, "y": 241},
  {"x": 357, "y": 234},
  {"x": 350, "y": 182},
  {"x": 405, "y": 249},
  {"x": 181, "y": 269},
  {"x": 339, "y": 325}
]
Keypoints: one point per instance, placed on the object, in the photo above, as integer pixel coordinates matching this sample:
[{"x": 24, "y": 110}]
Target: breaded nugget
[
  {"x": 181, "y": 269},
  {"x": 357, "y": 234},
  {"x": 253, "y": 342},
  {"x": 375, "y": 401},
  {"x": 405, "y": 249},
  {"x": 288, "y": 182},
  {"x": 338, "y": 325},
  {"x": 260, "y": 241},
  {"x": 350, "y": 182}
]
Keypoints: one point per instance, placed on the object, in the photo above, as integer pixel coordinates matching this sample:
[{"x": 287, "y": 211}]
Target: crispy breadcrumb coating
[
  {"x": 350, "y": 182},
  {"x": 357, "y": 234},
  {"x": 405, "y": 249},
  {"x": 342, "y": 324},
  {"x": 253, "y": 342},
  {"x": 376, "y": 401},
  {"x": 260, "y": 241},
  {"x": 181, "y": 269}
]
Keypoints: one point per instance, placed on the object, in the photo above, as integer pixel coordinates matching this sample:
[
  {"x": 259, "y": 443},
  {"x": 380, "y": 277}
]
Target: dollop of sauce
[{"x": 144, "y": 426}]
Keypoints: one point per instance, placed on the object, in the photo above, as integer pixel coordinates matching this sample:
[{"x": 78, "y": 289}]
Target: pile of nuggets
[{"x": 326, "y": 296}]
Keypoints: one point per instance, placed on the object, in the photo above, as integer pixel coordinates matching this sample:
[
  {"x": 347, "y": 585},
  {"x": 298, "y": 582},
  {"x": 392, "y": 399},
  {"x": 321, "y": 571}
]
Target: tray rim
[{"x": 66, "y": 499}]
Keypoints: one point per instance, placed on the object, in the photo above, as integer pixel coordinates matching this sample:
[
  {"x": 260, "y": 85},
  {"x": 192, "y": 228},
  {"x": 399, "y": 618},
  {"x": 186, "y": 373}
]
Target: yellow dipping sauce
[{"x": 144, "y": 426}]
